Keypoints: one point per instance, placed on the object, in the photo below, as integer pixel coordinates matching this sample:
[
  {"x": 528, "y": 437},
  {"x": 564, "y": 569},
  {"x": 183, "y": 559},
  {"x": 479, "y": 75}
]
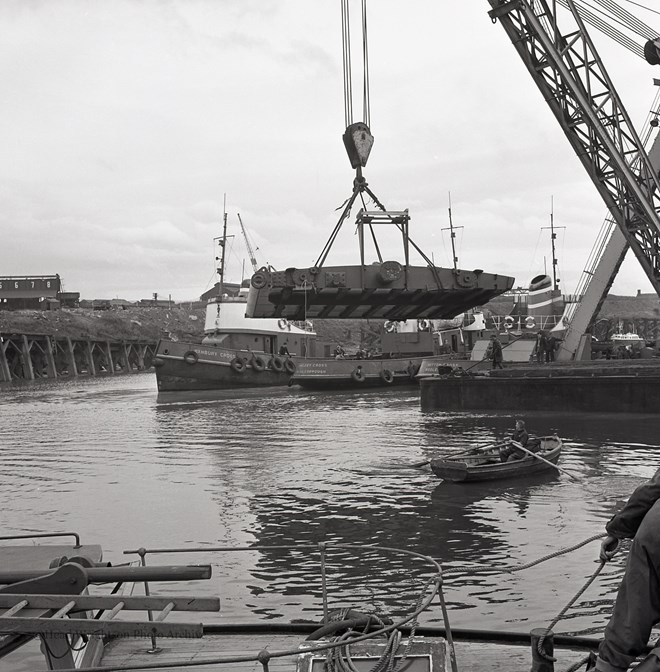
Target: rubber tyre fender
[
  {"x": 277, "y": 364},
  {"x": 238, "y": 365},
  {"x": 190, "y": 357},
  {"x": 387, "y": 376},
  {"x": 159, "y": 361},
  {"x": 358, "y": 376},
  {"x": 290, "y": 366},
  {"x": 258, "y": 363}
]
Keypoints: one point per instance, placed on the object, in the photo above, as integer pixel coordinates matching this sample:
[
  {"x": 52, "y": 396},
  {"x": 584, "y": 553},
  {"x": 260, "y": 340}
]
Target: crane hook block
[
  {"x": 652, "y": 52},
  {"x": 358, "y": 142}
]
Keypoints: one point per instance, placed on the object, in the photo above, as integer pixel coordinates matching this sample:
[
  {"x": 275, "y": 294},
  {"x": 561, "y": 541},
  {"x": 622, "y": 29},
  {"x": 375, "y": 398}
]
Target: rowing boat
[{"x": 487, "y": 467}]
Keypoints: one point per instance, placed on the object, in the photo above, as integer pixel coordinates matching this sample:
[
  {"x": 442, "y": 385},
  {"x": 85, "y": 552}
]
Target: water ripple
[{"x": 124, "y": 468}]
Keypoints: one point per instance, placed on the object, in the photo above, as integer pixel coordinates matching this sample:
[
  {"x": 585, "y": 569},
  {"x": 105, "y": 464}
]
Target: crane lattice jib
[
  {"x": 574, "y": 83},
  {"x": 253, "y": 259}
]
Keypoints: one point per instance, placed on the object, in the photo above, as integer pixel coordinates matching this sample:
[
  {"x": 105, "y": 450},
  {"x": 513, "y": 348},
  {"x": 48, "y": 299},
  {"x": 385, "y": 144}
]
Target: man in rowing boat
[
  {"x": 509, "y": 452},
  {"x": 637, "y": 605}
]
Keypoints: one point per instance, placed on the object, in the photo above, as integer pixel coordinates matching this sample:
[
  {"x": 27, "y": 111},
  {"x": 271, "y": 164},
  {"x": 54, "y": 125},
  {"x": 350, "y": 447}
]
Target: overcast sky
[{"x": 123, "y": 124}]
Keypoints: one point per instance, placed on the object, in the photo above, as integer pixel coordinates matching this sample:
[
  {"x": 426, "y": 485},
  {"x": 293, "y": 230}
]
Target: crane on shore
[
  {"x": 253, "y": 259},
  {"x": 574, "y": 83}
]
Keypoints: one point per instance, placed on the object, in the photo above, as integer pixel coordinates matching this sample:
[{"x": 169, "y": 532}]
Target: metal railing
[{"x": 431, "y": 587}]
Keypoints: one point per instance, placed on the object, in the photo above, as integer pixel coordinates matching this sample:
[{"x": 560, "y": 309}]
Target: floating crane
[
  {"x": 574, "y": 83},
  {"x": 253, "y": 260}
]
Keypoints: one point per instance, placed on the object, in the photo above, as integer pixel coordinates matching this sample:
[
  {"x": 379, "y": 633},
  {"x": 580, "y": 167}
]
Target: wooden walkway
[{"x": 473, "y": 657}]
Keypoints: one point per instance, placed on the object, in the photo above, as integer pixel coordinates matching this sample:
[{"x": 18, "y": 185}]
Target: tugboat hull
[{"x": 189, "y": 366}]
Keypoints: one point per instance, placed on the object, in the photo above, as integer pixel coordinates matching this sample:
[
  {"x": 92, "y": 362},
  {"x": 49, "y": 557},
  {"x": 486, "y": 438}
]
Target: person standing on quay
[
  {"x": 496, "y": 352},
  {"x": 550, "y": 347},
  {"x": 540, "y": 347}
]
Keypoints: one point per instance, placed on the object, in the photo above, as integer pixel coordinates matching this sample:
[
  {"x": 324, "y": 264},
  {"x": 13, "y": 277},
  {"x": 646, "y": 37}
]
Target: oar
[
  {"x": 460, "y": 452},
  {"x": 538, "y": 457}
]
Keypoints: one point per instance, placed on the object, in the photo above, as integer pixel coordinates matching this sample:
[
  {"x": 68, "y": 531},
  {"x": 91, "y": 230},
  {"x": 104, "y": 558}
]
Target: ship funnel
[{"x": 544, "y": 301}]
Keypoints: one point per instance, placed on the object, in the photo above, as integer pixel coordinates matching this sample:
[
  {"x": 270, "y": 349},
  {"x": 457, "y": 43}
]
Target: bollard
[{"x": 539, "y": 662}]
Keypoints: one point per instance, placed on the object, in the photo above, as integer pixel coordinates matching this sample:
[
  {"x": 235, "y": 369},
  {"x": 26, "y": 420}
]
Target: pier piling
[{"x": 30, "y": 357}]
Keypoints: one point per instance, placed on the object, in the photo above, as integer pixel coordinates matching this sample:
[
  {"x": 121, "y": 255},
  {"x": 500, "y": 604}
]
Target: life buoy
[
  {"x": 422, "y": 325},
  {"x": 237, "y": 364},
  {"x": 276, "y": 364},
  {"x": 290, "y": 366},
  {"x": 387, "y": 376},
  {"x": 358, "y": 375},
  {"x": 191, "y": 357},
  {"x": 390, "y": 327},
  {"x": 282, "y": 323},
  {"x": 508, "y": 322},
  {"x": 258, "y": 363},
  {"x": 530, "y": 322}
]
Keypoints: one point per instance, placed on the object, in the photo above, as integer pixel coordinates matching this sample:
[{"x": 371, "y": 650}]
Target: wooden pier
[{"x": 36, "y": 356}]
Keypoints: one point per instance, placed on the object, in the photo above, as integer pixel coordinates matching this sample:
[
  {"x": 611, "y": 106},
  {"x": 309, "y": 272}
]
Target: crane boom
[
  {"x": 573, "y": 81},
  {"x": 253, "y": 261}
]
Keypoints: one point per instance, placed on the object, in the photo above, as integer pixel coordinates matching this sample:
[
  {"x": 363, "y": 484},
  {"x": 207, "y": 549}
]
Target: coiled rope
[{"x": 339, "y": 659}]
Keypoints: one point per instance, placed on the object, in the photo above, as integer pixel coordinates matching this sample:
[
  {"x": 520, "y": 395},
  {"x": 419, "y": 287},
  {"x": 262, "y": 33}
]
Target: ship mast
[
  {"x": 451, "y": 228},
  {"x": 553, "y": 237},
  {"x": 223, "y": 244}
]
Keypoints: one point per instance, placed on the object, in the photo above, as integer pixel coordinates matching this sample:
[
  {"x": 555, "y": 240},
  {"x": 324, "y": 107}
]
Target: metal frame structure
[{"x": 574, "y": 83}]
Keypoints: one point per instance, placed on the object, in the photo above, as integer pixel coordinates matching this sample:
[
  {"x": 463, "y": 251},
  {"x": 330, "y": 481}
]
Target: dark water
[{"x": 109, "y": 459}]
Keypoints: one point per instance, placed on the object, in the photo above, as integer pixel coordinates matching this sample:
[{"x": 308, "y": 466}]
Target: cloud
[{"x": 125, "y": 123}]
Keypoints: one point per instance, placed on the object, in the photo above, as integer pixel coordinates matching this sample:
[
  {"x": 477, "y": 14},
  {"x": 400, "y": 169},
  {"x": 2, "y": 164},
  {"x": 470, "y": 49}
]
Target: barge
[{"x": 578, "y": 386}]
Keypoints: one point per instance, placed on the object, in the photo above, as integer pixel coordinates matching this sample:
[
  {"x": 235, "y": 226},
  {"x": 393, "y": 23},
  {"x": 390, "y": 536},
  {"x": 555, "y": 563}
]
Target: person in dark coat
[
  {"x": 509, "y": 452},
  {"x": 540, "y": 347},
  {"x": 550, "y": 347},
  {"x": 637, "y": 605},
  {"x": 496, "y": 352}
]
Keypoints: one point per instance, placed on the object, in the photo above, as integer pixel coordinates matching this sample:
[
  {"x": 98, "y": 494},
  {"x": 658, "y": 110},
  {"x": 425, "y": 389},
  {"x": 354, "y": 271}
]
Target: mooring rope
[
  {"x": 527, "y": 565},
  {"x": 561, "y": 614},
  {"x": 579, "y": 664}
]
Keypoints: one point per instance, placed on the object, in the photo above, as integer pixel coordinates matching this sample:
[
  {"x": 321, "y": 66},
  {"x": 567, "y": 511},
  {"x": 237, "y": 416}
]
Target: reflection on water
[{"x": 125, "y": 468}]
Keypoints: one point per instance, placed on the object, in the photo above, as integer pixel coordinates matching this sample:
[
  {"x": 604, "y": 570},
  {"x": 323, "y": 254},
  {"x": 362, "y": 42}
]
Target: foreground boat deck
[{"x": 471, "y": 656}]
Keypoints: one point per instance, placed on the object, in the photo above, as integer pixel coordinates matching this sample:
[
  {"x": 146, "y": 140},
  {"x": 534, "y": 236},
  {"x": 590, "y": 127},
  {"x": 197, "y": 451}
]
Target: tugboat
[{"x": 235, "y": 352}]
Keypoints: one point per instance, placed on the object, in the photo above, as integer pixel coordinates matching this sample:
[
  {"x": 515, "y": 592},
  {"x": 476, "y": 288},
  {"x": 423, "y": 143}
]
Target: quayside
[{"x": 58, "y": 591}]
